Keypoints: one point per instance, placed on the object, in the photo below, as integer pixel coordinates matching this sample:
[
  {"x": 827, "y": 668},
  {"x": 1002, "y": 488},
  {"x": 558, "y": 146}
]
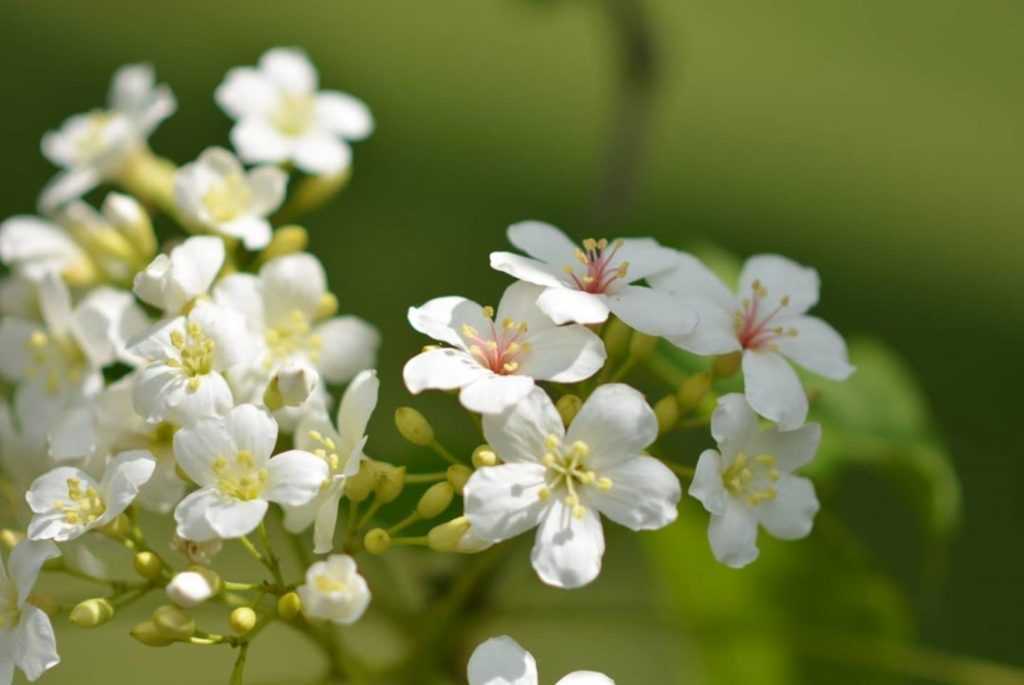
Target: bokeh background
[{"x": 879, "y": 141}]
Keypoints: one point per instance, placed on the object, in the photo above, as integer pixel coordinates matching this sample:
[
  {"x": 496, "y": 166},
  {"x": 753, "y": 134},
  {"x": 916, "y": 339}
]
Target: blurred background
[{"x": 881, "y": 142}]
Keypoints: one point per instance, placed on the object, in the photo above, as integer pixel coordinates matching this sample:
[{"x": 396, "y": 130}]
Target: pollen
[
  {"x": 293, "y": 335},
  {"x": 501, "y": 347},
  {"x": 83, "y": 506},
  {"x": 195, "y": 354},
  {"x": 752, "y": 479},
  {"x": 239, "y": 477},
  {"x": 568, "y": 475}
]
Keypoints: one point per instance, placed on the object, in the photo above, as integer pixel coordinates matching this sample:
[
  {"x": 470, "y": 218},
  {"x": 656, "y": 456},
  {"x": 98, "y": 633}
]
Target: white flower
[
  {"x": 283, "y": 118},
  {"x": 559, "y": 481},
  {"x": 501, "y": 661},
  {"x": 34, "y": 247},
  {"x": 26, "y": 635},
  {"x": 281, "y": 307},
  {"x": 334, "y": 591},
  {"x": 67, "y": 501},
  {"x": 186, "y": 358},
  {"x": 189, "y": 589},
  {"x": 749, "y": 481},
  {"x": 341, "y": 450},
  {"x": 295, "y": 382},
  {"x": 495, "y": 360},
  {"x": 92, "y": 147},
  {"x": 767, "y": 322},
  {"x": 173, "y": 282},
  {"x": 229, "y": 458},
  {"x": 584, "y": 285},
  {"x": 217, "y": 194}
]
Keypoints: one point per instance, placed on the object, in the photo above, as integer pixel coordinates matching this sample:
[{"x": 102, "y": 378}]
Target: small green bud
[
  {"x": 327, "y": 306},
  {"x": 148, "y": 634},
  {"x": 92, "y": 613},
  {"x": 173, "y": 623},
  {"x": 457, "y": 476},
  {"x": 414, "y": 426},
  {"x": 119, "y": 528},
  {"x": 377, "y": 541},
  {"x": 148, "y": 565},
  {"x": 359, "y": 486},
  {"x": 616, "y": 338},
  {"x": 285, "y": 241},
  {"x": 242, "y": 620},
  {"x": 446, "y": 536},
  {"x": 435, "y": 500},
  {"x": 484, "y": 456},
  {"x": 568, "y": 407},
  {"x": 10, "y": 538},
  {"x": 390, "y": 482},
  {"x": 289, "y": 606},
  {"x": 642, "y": 346},
  {"x": 726, "y": 365},
  {"x": 692, "y": 391},
  {"x": 667, "y": 411}
]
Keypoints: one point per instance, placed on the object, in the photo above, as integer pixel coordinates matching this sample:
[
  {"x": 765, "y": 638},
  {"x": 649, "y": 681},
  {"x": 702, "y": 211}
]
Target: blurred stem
[
  {"x": 633, "y": 33},
  {"x": 238, "y": 672},
  {"x": 271, "y": 559}
]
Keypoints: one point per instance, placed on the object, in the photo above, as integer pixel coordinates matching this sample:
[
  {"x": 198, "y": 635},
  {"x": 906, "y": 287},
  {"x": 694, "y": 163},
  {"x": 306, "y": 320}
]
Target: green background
[{"x": 880, "y": 141}]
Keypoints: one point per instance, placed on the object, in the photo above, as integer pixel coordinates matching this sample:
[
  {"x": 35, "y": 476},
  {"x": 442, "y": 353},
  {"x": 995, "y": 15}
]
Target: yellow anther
[
  {"x": 470, "y": 332},
  {"x": 766, "y": 459},
  {"x": 544, "y": 494},
  {"x": 785, "y": 300},
  {"x": 590, "y": 244},
  {"x": 581, "y": 257},
  {"x": 572, "y": 501},
  {"x": 326, "y": 584},
  {"x": 511, "y": 367},
  {"x": 552, "y": 442},
  {"x": 578, "y": 512},
  {"x": 604, "y": 484},
  {"x": 550, "y": 459},
  {"x": 488, "y": 312},
  {"x": 38, "y": 340},
  {"x": 580, "y": 449}
]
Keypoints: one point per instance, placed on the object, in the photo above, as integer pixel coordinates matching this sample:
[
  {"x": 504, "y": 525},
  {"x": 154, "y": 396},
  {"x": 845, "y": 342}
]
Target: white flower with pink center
[
  {"x": 767, "y": 322},
  {"x": 586, "y": 284},
  {"x": 494, "y": 359}
]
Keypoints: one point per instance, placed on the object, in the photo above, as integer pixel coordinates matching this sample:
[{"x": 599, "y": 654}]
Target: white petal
[
  {"x": 322, "y": 155},
  {"x": 503, "y": 501},
  {"x": 493, "y": 394},
  {"x": 246, "y": 91},
  {"x": 327, "y": 517},
  {"x": 257, "y": 141},
  {"x": 565, "y": 305},
  {"x": 55, "y": 303},
  {"x": 228, "y": 331},
  {"x": 26, "y": 559},
  {"x": 289, "y": 69},
  {"x": 707, "y": 486},
  {"x": 543, "y": 242},
  {"x": 242, "y": 293},
  {"x": 733, "y": 535},
  {"x": 254, "y": 232},
  {"x": 773, "y": 389},
  {"x": 298, "y": 519},
  {"x": 443, "y": 318},
  {"x": 267, "y": 184},
  {"x": 781, "y": 277},
  {"x": 501, "y": 661},
  {"x": 790, "y": 516},
  {"x": 791, "y": 449},
  {"x": 344, "y": 115},
  {"x": 519, "y": 433},
  {"x": 733, "y": 424},
  {"x": 526, "y": 269},
  {"x": 644, "y": 494},
  {"x": 66, "y": 186},
  {"x": 125, "y": 474},
  {"x": 441, "y": 369},
  {"x": 816, "y": 347},
  {"x": 197, "y": 446},
  {"x": 357, "y": 405},
  {"x": 252, "y": 429},
  {"x": 519, "y": 303},
  {"x": 130, "y": 86},
  {"x": 190, "y": 515},
  {"x": 646, "y": 258},
  {"x": 35, "y": 246},
  {"x": 231, "y": 518},
  {"x": 295, "y": 477},
  {"x": 651, "y": 311},
  {"x": 36, "y": 647},
  {"x": 567, "y": 552},
  {"x": 586, "y": 678},
  {"x": 348, "y": 345},
  {"x": 616, "y": 423},
  {"x": 691, "y": 278},
  {"x": 565, "y": 354},
  {"x": 15, "y": 336},
  {"x": 295, "y": 282}
]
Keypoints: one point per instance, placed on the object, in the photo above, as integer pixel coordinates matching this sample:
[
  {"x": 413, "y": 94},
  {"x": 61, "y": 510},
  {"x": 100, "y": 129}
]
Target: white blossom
[
  {"x": 94, "y": 146},
  {"x": 494, "y": 359},
  {"x": 560, "y": 481},
  {"x": 173, "y": 282},
  {"x": 584, "y": 285},
  {"x": 501, "y": 661},
  {"x": 767, "y": 322},
  {"x": 229, "y": 458},
  {"x": 189, "y": 589},
  {"x": 282, "y": 117},
  {"x": 749, "y": 482},
  {"x": 217, "y": 194},
  {"x": 27, "y": 641},
  {"x": 334, "y": 591}
]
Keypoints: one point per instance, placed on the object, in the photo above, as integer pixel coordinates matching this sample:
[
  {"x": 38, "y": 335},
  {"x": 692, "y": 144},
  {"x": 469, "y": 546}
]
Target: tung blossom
[
  {"x": 586, "y": 284},
  {"x": 27, "y": 641},
  {"x": 501, "y": 661},
  {"x": 282, "y": 117},
  {"x": 749, "y": 482},
  {"x": 334, "y": 591},
  {"x": 173, "y": 282},
  {"x": 767, "y": 322},
  {"x": 495, "y": 358},
  {"x": 560, "y": 480}
]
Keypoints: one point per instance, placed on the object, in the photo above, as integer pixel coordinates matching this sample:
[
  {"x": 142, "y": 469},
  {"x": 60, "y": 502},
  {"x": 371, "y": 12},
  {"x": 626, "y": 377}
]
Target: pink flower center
[
  {"x": 600, "y": 270},
  {"x": 756, "y": 325},
  {"x": 500, "y": 347}
]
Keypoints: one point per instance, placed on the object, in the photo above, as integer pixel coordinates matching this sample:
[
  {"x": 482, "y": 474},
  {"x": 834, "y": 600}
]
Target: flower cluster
[{"x": 195, "y": 377}]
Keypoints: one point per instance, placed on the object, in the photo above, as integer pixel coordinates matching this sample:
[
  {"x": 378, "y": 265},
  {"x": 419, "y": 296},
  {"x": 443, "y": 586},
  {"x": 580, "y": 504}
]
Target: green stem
[
  {"x": 238, "y": 672},
  {"x": 371, "y": 511},
  {"x": 404, "y": 523},
  {"x": 443, "y": 452},
  {"x": 271, "y": 559},
  {"x": 425, "y": 477}
]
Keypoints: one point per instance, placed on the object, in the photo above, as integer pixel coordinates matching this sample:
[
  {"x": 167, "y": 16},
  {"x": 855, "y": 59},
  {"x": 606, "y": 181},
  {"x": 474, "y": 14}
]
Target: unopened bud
[
  {"x": 667, "y": 411},
  {"x": 377, "y": 541},
  {"x": 726, "y": 365},
  {"x": 457, "y": 476},
  {"x": 148, "y": 634},
  {"x": 435, "y": 500},
  {"x": 484, "y": 456},
  {"x": 242, "y": 620},
  {"x": 291, "y": 386},
  {"x": 289, "y": 606},
  {"x": 285, "y": 241},
  {"x": 148, "y": 565},
  {"x": 390, "y": 482},
  {"x": 446, "y": 537},
  {"x": 327, "y": 306},
  {"x": 10, "y": 538},
  {"x": 191, "y": 588},
  {"x": 568, "y": 407},
  {"x": 692, "y": 391},
  {"x": 128, "y": 216},
  {"x": 616, "y": 338},
  {"x": 92, "y": 613},
  {"x": 641, "y": 345},
  {"x": 173, "y": 623},
  {"x": 414, "y": 426},
  {"x": 313, "y": 191},
  {"x": 81, "y": 272},
  {"x": 359, "y": 486},
  {"x": 119, "y": 528}
]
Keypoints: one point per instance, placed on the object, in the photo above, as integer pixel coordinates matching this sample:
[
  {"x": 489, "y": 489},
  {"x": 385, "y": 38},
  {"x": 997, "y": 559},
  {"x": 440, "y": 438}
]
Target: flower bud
[
  {"x": 10, "y": 538},
  {"x": 414, "y": 427},
  {"x": 390, "y": 482},
  {"x": 92, "y": 613},
  {"x": 289, "y": 606},
  {"x": 435, "y": 500},
  {"x": 148, "y": 565},
  {"x": 642, "y": 346},
  {"x": 191, "y": 588},
  {"x": 313, "y": 191},
  {"x": 126, "y": 215},
  {"x": 667, "y": 411},
  {"x": 616, "y": 338},
  {"x": 568, "y": 407},
  {"x": 173, "y": 623},
  {"x": 242, "y": 620},
  {"x": 726, "y": 365},
  {"x": 484, "y": 456},
  {"x": 148, "y": 634},
  {"x": 326, "y": 307},
  {"x": 359, "y": 486},
  {"x": 291, "y": 386},
  {"x": 285, "y": 241},
  {"x": 457, "y": 476},
  {"x": 81, "y": 272},
  {"x": 446, "y": 537},
  {"x": 119, "y": 528},
  {"x": 692, "y": 391},
  {"x": 377, "y": 541}
]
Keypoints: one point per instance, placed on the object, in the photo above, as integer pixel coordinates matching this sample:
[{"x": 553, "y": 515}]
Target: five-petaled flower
[
  {"x": 501, "y": 661},
  {"x": 767, "y": 321},
  {"x": 559, "y": 480},
  {"x": 334, "y": 591},
  {"x": 584, "y": 285},
  {"x": 26, "y": 635},
  {"x": 495, "y": 358},
  {"x": 749, "y": 481}
]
